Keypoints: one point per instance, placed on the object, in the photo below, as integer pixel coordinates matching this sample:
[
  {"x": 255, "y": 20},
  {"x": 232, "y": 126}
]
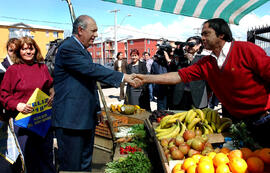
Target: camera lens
[{"x": 191, "y": 44}]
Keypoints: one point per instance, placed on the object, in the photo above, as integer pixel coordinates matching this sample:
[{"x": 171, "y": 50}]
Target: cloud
[{"x": 184, "y": 27}]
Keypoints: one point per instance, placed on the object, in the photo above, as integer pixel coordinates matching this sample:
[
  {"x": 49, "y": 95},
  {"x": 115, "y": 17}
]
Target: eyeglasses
[{"x": 190, "y": 44}]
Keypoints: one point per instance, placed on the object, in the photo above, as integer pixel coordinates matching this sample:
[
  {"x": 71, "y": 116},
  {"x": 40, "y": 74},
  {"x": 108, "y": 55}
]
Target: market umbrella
[{"x": 231, "y": 11}]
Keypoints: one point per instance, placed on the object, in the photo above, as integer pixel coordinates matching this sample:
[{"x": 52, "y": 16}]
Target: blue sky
[{"x": 47, "y": 12}]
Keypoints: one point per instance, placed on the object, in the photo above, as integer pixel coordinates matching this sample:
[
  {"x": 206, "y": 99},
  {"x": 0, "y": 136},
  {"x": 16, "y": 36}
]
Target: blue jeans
[
  {"x": 151, "y": 91},
  {"x": 162, "y": 103}
]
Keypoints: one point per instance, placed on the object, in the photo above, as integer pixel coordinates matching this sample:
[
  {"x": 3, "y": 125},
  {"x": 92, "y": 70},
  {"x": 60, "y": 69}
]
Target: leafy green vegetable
[
  {"x": 242, "y": 137},
  {"x": 134, "y": 163}
]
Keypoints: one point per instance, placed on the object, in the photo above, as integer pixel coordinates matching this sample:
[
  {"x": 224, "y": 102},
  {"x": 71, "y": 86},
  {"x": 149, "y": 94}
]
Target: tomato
[{"x": 158, "y": 119}]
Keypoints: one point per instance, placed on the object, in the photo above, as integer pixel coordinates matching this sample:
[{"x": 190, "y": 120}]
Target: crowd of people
[{"x": 236, "y": 72}]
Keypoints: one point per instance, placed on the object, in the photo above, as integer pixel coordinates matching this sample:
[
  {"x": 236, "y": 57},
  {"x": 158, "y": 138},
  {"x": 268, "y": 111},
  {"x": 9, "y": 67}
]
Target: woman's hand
[
  {"x": 51, "y": 97},
  {"x": 24, "y": 108}
]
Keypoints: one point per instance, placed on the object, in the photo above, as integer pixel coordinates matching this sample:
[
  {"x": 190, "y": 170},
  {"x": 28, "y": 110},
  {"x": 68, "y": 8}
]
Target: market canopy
[{"x": 231, "y": 11}]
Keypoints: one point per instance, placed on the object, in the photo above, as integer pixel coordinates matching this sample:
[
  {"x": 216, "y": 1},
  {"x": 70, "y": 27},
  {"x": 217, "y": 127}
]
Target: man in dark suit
[
  {"x": 76, "y": 103},
  {"x": 121, "y": 66}
]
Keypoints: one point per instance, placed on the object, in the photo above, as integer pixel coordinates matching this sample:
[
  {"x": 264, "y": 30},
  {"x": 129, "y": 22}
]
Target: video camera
[
  {"x": 159, "y": 56},
  {"x": 179, "y": 52}
]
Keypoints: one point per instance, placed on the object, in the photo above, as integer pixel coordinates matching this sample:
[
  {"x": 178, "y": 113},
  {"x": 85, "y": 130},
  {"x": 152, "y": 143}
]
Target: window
[
  {"x": 55, "y": 34},
  {"x": 131, "y": 42},
  {"x": 19, "y": 32},
  {"x": 98, "y": 45},
  {"x": 148, "y": 41},
  {"x": 98, "y": 53},
  {"x": 148, "y": 50},
  {"x": 47, "y": 33}
]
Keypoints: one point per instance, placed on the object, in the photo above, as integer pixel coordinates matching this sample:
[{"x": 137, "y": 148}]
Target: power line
[{"x": 44, "y": 21}]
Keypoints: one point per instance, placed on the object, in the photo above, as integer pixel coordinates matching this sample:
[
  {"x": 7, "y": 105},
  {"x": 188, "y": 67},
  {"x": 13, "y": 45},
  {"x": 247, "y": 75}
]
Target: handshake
[{"x": 135, "y": 80}]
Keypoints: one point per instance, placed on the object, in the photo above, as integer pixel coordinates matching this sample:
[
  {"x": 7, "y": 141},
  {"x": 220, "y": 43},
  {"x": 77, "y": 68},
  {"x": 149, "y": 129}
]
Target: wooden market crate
[
  {"x": 117, "y": 120},
  {"x": 103, "y": 129}
]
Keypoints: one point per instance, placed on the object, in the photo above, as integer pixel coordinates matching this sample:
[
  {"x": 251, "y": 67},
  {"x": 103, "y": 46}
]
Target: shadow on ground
[{"x": 100, "y": 158}]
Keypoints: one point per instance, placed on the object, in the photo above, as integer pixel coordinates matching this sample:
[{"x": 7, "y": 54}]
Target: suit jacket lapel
[{"x": 82, "y": 50}]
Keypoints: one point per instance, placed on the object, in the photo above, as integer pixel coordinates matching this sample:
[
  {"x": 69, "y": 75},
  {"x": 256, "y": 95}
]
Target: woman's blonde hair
[{"x": 17, "y": 58}]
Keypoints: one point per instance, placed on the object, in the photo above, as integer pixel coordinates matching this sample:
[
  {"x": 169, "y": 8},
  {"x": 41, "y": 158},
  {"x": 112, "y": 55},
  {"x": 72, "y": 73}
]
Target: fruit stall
[
  {"x": 194, "y": 141},
  {"x": 202, "y": 141}
]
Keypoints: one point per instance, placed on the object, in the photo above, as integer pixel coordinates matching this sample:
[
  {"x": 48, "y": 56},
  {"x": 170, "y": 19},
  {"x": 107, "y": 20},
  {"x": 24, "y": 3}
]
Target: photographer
[
  {"x": 195, "y": 92},
  {"x": 163, "y": 63}
]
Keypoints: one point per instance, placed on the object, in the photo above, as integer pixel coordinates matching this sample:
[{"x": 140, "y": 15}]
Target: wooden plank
[
  {"x": 103, "y": 142},
  {"x": 215, "y": 138},
  {"x": 164, "y": 161}
]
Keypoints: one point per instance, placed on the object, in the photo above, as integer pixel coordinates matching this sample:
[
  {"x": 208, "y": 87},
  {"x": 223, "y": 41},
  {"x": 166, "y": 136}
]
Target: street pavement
[{"x": 111, "y": 96}]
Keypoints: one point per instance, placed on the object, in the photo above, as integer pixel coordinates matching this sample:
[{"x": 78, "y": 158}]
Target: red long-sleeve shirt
[
  {"x": 242, "y": 84},
  {"x": 21, "y": 80}
]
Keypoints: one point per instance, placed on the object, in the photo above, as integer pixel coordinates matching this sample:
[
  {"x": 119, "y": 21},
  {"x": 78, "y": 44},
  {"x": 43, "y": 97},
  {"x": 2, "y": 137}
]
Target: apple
[
  {"x": 177, "y": 155},
  {"x": 192, "y": 152},
  {"x": 184, "y": 148},
  {"x": 173, "y": 148},
  {"x": 188, "y": 134}
]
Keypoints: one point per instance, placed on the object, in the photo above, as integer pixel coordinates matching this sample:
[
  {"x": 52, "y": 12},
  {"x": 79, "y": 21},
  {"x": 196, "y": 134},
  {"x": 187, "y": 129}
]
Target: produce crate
[
  {"x": 103, "y": 129},
  {"x": 117, "y": 120}
]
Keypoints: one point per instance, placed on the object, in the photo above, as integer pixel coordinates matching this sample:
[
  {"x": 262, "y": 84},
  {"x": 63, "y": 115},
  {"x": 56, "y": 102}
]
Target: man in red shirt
[{"x": 238, "y": 73}]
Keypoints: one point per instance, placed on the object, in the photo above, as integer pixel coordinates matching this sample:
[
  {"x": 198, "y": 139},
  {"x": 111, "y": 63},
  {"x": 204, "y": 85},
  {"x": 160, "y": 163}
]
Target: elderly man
[
  {"x": 76, "y": 103},
  {"x": 237, "y": 72}
]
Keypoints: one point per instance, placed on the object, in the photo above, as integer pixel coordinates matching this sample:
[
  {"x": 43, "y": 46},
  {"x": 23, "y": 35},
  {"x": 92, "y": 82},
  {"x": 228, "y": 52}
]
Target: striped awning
[{"x": 230, "y": 10}]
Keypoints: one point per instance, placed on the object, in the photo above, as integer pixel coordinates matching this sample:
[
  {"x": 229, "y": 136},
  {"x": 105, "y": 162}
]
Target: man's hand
[
  {"x": 134, "y": 82},
  {"x": 189, "y": 56},
  {"x": 24, "y": 108}
]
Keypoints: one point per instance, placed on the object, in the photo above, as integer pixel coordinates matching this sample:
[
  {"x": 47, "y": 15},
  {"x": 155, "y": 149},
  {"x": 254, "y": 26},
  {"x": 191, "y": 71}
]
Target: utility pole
[
  {"x": 115, "y": 31},
  {"x": 71, "y": 10},
  {"x": 197, "y": 31}
]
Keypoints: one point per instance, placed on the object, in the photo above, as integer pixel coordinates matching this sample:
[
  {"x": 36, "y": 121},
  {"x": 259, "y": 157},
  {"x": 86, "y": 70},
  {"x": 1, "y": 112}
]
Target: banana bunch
[
  {"x": 187, "y": 120},
  {"x": 170, "y": 119},
  {"x": 170, "y": 132},
  {"x": 207, "y": 119},
  {"x": 213, "y": 122}
]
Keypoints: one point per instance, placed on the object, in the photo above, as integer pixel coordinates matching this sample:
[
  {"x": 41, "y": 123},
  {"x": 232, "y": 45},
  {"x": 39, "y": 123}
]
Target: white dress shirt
[{"x": 223, "y": 54}]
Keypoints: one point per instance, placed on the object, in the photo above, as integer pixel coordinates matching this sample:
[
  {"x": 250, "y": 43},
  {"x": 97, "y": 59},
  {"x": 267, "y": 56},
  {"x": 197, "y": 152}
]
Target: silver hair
[{"x": 80, "y": 21}]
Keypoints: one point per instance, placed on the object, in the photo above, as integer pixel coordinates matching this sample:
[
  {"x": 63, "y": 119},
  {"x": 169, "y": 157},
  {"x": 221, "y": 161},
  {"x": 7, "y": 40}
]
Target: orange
[
  {"x": 235, "y": 153},
  {"x": 220, "y": 159},
  {"x": 256, "y": 152},
  {"x": 225, "y": 150},
  {"x": 211, "y": 155},
  {"x": 192, "y": 169},
  {"x": 187, "y": 163},
  {"x": 246, "y": 153},
  {"x": 196, "y": 157},
  {"x": 264, "y": 154},
  {"x": 223, "y": 168},
  {"x": 206, "y": 159},
  {"x": 255, "y": 164},
  {"x": 177, "y": 168},
  {"x": 238, "y": 165},
  {"x": 205, "y": 167}
]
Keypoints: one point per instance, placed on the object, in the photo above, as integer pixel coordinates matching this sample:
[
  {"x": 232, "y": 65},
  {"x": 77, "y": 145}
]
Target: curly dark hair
[
  {"x": 17, "y": 58},
  {"x": 135, "y": 51}
]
